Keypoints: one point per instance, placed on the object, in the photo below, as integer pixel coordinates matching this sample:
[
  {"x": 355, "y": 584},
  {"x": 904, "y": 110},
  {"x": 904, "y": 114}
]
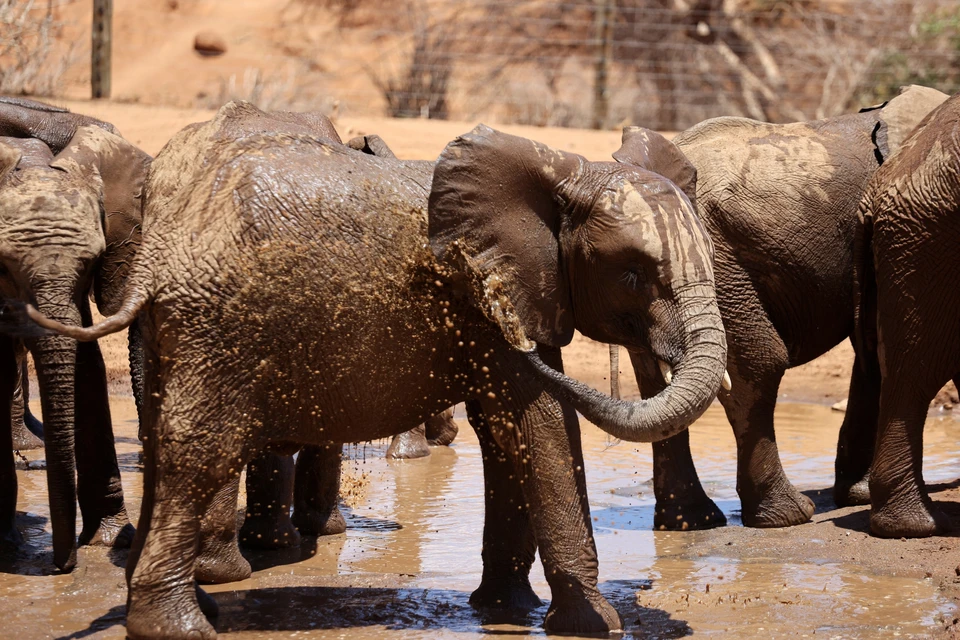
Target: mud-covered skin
[
  {"x": 58, "y": 215},
  {"x": 438, "y": 431},
  {"x": 285, "y": 248},
  {"x": 27, "y": 430},
  {"x": 908, "y": 306},
  {"x": 780, "y": 204}
]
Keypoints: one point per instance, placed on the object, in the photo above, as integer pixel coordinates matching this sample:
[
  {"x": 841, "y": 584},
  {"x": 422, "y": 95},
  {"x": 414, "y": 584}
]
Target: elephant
[
  {"x": 909, "y": 310},
  {"x": 68, "y": 222},
  {"x": 780, "y": 204},
  {"x": 277, "y": 249},
  {"x": 24, "y": 118}
]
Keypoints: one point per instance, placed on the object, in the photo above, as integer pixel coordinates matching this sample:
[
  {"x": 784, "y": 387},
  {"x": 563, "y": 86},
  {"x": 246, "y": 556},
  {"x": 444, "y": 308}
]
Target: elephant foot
[
  {"x": 910, "y": 516},
  {"x": 10, "y": 538},
  {"x": 688, "y": 516},
  {"x": 112, "y": 531},
  {"x": 781, "y": 507},
  {"x": 585, "y": 615},
  {"x": 409, "y": 445},
  {"x": 24, "y": 440},
  {"x": 169, "y": 620},
  {"x": 312, "y": 522},
  {"x": 266, "y": 532},
  {"x": 221, "y": 562},
  {"x": 849, "y": 495},
  {"x": 515, "y": 594},
  {"x": 442, "y": 430}
]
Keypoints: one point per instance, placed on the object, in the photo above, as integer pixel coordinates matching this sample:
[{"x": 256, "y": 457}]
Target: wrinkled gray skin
[
  {"x": 285, "y": 248},
  {"x": 909, "y": 306},
  {"x": 780, "y": 204},
  {"x": 62, "y": 214},
  {"x": 24, "y": 118},
  {"x": 27, "y": 430}
]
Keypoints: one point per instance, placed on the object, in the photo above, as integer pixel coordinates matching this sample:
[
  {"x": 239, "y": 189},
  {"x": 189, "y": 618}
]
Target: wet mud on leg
[
  {"x": 509, "y": 546},
  {"x": 219, "y": 558},
  {"x": 858, "y": 435},
  {"x": 267, "y": 524},
  {"x": 316, "y": 494}
]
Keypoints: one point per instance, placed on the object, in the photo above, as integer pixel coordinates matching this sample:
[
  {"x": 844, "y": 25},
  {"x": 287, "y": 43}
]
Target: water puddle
[{"x": 411, "y": 555}]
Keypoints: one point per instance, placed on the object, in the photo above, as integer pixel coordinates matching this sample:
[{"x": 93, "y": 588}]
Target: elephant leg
[
  {"x": 267, "y": 524},
  {"x": 509, "y": 546},
  {"x": 858, "y": 435},
  {"x": 219, "y": 558},
  {"x": 99, "y": 491},
  {"x": 409, "y": 444},
  {"x": 682, "y": 503},
  {"x": 441, "y": 429},
  {"x": 26, "y": 428},
  {"x": 901, "y": 507},
  {"x": 163, "y": 598},
  {"x": 316, "y": 492},
  {"x": 9, "y": 372},
  {"x": 542, "y": 438}
]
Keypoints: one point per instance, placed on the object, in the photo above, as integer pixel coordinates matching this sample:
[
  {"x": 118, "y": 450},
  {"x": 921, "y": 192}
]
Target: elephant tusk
[
  {"x": 666, "y": 371},
  {"x": 726, "y": 380}
]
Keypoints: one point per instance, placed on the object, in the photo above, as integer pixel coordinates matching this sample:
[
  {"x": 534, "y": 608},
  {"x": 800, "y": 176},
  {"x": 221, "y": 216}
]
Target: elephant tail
[
  {"x": 135, "y": 297},
  {"x": 865, "y": 288}
]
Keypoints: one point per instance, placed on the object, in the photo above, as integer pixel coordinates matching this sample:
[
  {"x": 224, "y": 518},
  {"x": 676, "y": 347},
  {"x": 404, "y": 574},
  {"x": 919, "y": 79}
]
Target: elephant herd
[{"x": 286, "y": 293}]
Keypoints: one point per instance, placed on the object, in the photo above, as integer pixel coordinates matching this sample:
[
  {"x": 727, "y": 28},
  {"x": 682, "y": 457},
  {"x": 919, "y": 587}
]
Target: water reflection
[{"x": 411, "y": 555}]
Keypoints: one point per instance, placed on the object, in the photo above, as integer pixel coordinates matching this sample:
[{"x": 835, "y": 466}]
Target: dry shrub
[{"x": 33, "y": 54}]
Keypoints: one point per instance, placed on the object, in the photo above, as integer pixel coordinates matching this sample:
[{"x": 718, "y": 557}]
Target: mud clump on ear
[{"x": 487, "y": 293}]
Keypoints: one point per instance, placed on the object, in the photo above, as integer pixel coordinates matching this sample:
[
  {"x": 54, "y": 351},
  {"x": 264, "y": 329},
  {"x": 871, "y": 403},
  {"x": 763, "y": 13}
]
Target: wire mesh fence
[{"x": 665, "y": 64}]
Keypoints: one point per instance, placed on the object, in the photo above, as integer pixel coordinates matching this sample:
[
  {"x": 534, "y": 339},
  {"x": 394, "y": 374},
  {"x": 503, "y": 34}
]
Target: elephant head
[
  {"x": 70, "y": 223},
  {"x": 613, "y": 251},
  {"x": 22, "y": 118}
]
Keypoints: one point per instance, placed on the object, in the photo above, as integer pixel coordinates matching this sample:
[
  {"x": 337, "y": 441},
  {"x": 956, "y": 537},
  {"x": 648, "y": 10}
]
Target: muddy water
[{"x": 411, "y": 556}]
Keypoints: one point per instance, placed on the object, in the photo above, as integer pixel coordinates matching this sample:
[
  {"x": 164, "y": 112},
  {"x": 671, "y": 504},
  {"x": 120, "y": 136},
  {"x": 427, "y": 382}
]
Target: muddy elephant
[
  {"x": 466, "y": 291},
  {"x": 24, "y": 118},
  {"x": 69, "y": 221},
  {"x": 780, "y": 204},
  {"x": 909, "y": 308}
]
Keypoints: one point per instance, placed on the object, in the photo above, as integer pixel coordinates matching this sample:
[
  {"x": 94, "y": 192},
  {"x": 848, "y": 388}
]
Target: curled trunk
[
  {"x": 56, "y": 359},
  {"x": 696, "y": 379}
]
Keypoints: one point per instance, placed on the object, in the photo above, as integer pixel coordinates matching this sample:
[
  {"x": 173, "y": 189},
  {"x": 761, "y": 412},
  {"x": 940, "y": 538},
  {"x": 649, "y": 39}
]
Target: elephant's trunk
[
  {"x": 56, "y": 359},
  {"x": 697, "y": 376}
]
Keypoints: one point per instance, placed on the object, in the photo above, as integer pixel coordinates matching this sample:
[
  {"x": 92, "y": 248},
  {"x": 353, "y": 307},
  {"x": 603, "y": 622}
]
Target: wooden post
[
  {"x": 100, "y": 48},
  {"x": 603, "y": 22}
]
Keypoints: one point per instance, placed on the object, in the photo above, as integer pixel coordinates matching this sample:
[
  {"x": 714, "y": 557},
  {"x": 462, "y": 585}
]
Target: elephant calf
[
  {"x": 909, "y": 259},
  {"x": 69, "y": 222},
  {"x": 401, "y": 289}
]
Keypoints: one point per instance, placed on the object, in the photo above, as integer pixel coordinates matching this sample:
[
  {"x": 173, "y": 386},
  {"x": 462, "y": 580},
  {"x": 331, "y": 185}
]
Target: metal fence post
[
  {"x": 603, "y": 22},
  {"x": 100, "y": 48}
]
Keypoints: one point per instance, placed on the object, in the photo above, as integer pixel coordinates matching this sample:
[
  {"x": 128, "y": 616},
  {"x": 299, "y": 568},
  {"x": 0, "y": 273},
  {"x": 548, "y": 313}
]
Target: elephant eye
[{"x": 633, "y": 278}]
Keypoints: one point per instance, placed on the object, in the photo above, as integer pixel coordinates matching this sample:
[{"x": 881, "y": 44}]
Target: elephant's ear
[
  {"x": 9, "y": 158},
  {"x": 651, "y": 151},
  {"x": 901, "y": 115},
  {"x": 372, "y": 145},
  {"x": 122, "y": 168},
  {"x": 495, "y": 198}
]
